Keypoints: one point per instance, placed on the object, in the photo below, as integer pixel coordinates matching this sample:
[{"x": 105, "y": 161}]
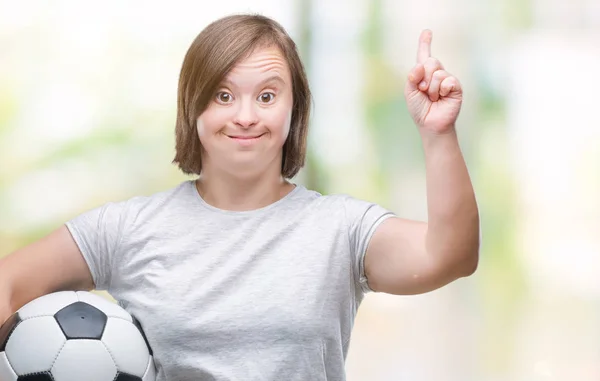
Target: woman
[{"x": 242, "y": 274}]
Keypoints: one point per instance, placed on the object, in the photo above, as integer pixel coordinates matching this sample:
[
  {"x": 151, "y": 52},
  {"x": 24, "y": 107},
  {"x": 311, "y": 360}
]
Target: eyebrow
[{"x": 273, "y": 78}]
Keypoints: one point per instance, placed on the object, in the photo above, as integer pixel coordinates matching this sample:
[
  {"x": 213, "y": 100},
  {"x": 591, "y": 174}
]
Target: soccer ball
[{"x": 74, "y": 336}]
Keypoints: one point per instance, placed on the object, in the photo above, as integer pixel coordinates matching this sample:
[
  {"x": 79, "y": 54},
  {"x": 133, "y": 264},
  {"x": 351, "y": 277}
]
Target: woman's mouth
[{"x": 245, "y": 140}]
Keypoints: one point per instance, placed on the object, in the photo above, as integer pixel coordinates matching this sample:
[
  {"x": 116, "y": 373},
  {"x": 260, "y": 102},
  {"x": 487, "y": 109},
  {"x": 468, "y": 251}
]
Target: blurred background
[{"x": 87, "y": 115}]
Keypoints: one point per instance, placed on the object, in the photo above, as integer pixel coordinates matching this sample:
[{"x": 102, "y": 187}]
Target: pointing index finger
[{"x": 424, "y": 51}]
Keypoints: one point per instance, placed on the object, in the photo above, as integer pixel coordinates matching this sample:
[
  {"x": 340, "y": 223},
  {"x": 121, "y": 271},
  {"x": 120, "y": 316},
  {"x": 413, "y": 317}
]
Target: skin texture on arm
[
  {"x": 53, "y": 263},
  {"x": 5, "y": 308}
]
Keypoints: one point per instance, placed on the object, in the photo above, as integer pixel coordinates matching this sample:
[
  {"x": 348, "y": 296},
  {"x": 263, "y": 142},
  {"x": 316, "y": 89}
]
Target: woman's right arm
[{"x": 53, "y": 263}]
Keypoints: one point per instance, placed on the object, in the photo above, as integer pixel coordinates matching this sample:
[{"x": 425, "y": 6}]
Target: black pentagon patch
[
  {"x": 81, "y": 321},
  {"x": 46, "y": 376},
  {"x": 139, "y": 327},
  {"x": 126, "y": 377},
  {"x": 7, "y": 329}
]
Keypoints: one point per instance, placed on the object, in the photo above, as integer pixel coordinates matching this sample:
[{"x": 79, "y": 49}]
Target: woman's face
[{"x": 248, "y": 120}]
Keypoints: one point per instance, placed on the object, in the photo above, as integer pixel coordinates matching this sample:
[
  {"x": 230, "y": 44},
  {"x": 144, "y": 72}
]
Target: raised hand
[{"x": 433, "y": 96}]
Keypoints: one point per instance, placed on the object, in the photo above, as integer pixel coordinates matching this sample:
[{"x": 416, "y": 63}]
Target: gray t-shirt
[{"x": 268, "y": 294}]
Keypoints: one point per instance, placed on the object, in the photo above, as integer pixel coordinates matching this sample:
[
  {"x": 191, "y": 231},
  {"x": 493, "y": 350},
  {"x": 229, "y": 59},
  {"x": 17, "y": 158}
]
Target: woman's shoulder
[
  {"x": 350, "y": 205},
  {"x": 327, "y": 201},
  {"x": 335, "y": 197},
  {"x": 151, "y": 202}
]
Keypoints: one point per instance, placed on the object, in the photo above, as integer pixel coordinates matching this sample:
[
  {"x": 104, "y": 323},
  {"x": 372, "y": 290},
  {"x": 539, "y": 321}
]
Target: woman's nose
[{"x": 246, "y": 114}]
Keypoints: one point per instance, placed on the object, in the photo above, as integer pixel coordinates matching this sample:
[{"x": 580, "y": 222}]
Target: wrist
[{"x": 434, "y": 139}]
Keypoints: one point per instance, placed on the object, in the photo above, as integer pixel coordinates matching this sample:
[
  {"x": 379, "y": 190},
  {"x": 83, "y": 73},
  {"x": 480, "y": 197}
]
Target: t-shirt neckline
[{"x": 192, "y": 185}]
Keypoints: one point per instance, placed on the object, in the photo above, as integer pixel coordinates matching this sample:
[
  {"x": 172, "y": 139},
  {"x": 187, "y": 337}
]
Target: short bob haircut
[{"x": 209, "y": 59}]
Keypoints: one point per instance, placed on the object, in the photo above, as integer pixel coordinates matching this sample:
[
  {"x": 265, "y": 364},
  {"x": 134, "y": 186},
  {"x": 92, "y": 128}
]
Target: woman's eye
[
  {"x": 266, "y": 97},
  {"x": 223, "y": 97}
]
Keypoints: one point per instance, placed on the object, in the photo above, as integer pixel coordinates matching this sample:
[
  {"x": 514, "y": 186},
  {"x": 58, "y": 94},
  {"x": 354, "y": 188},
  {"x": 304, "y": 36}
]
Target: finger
[
  {"x": 449, "y": 84},
  {"x": 415, "y": 76},
  {"x": 436, "y": 82},
  {"x": 431, "y": 65},
  {"x": 424, "y": 49}
]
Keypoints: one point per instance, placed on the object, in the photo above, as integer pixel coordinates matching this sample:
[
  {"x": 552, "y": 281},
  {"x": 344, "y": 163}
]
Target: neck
[{"x": 228, "y": 192}]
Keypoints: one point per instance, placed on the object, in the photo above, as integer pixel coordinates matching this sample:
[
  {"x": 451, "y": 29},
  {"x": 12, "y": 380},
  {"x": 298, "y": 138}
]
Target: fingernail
[{"x": 423, "y": 84}]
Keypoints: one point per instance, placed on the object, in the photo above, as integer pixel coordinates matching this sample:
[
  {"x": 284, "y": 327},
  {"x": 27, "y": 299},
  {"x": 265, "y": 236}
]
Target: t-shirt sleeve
[
  {"x": 363, "y": 219},
  {"x": 97, "y": 233}
]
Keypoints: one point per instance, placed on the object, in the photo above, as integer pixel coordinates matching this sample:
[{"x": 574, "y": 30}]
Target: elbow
[
  {"x": 469, "y": 263},
  {"x": 470, "y": 258},
  {"x": 461, "y": 260},
  {"x": 470, "y": 266},
  {"x": 464, "y": 260}
]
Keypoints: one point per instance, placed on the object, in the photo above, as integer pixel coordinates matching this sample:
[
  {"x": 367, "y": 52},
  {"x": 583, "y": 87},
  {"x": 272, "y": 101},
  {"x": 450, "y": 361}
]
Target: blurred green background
[{"x": 87, "y": 115}]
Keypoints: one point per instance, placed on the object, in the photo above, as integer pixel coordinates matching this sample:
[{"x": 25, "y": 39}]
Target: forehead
[{"x": 262, "y": 60}]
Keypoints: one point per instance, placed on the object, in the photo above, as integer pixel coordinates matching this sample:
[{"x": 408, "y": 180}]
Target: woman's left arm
[{"x": 410, "y": 257}]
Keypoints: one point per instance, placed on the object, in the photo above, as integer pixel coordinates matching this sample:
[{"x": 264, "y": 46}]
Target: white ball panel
[
  {"x": 47, "y": 305},
  {"x": 127, "y": 346},
  {"x": 109, "y": 308},
  {"x": 6, "y": 371},
  {"x": 84, "y": 360},
  {"x": 150, "y": 374},
  {"x": 34, "y": 344}
]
